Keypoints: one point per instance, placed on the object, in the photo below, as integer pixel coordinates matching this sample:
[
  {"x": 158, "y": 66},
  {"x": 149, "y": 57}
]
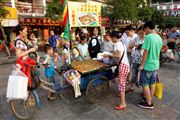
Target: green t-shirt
[{"x": 153, "y": 44}]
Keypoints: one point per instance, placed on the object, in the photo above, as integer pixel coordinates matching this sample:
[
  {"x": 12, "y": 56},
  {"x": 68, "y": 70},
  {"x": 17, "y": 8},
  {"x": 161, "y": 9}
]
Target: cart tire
[
  {"x": 24, "y": 109},
  {"x": 97, "y": 92}
]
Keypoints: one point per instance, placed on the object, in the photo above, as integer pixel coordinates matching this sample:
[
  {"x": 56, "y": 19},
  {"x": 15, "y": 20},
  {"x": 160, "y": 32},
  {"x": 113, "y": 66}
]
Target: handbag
[
  {"x": 158, "y": 89},
  {"x": 35, "y": 79},
  {"x": 116, "y": 72}
]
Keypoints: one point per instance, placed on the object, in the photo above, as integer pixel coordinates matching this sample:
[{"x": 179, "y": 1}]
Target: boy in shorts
[
  {"x": 49, "y": 68},
  {"x": 149, "y": 64}
]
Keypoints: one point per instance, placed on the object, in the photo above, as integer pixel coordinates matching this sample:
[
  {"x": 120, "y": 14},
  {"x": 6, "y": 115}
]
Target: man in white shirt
[{"x": 107, "y": 44}]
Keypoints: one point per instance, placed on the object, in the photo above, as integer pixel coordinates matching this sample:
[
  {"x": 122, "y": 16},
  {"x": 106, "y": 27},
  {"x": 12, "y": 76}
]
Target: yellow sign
[
  {"x": 12, "y": 13},
  {"x": 84, "y": 14}
]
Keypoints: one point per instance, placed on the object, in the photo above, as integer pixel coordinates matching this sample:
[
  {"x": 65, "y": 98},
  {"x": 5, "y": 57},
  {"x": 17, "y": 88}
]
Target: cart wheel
[{"x": 97, "y": 89}]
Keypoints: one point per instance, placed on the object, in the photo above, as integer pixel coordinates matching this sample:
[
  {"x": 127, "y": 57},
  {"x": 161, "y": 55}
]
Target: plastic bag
[
  {"x": 158, "y": 90},
  {"x": 17, "y": 84}
]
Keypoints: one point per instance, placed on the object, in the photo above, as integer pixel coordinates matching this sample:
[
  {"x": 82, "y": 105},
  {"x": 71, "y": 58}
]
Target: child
[
  {"x": 136, "y": 58},
  {"x": 65, "y": 45},
  {"x": 83, "y": 48},
  {"x": 49, "y": 68}
]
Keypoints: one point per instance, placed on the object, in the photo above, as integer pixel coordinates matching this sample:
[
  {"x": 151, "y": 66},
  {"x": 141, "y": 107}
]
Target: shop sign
[
  {"x": 84, "y": 14},
  {"x": 40, "y": 22},
  {"x": 12, "y": 13},
  {"x": 9, "y": 23}
]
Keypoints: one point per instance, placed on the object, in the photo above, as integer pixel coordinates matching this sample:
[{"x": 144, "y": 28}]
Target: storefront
[
  {"x": 9, "y": 23},
  {"x": 41, "y": 27}
]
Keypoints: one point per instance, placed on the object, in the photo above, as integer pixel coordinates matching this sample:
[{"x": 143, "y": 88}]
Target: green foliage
[
  {"x": 54, "y": 10},
  {"x": 122, "y": 9},
  {"x": 3, "y": 11},
  {"x": 126, "y": 9},
  {"x": 145, "y": 13}
]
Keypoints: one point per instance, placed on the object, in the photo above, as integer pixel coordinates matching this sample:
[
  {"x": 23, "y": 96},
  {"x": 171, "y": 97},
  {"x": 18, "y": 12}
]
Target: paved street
[{"x": 79, "y": 109}]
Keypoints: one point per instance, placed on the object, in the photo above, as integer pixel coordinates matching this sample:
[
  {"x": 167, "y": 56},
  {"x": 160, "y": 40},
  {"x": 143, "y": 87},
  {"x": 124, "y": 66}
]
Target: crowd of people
[{"x": 138, "y": 49}]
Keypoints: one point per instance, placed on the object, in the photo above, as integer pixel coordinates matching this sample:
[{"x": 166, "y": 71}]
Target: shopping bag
[
  {"x": 158, "y": 90},
  {"x": 17, "y": 85}
]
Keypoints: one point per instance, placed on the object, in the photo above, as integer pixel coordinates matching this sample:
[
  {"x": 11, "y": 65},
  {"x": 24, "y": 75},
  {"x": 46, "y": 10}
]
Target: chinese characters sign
[{"x": 84, "y": 14}]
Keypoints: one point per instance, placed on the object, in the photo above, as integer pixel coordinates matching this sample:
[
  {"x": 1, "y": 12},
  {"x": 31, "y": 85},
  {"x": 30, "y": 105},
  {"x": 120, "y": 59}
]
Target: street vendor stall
[{"x": 95, "y": 75}]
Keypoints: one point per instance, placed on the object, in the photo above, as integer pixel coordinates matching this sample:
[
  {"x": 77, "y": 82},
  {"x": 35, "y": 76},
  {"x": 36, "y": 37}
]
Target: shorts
[
  {"x": 135, "y": 67},
  {"x": 51, "y": 79},
  {"x": 148, "y": 78},
  {"x": 122, "y": 75}
]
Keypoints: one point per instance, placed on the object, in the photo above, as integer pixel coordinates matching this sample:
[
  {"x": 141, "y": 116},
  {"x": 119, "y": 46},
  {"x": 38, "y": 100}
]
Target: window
[
  {"x": 175, "y": 6},
  {"x": 160, "y": 7},
  {"x": 167, "y": 7}
]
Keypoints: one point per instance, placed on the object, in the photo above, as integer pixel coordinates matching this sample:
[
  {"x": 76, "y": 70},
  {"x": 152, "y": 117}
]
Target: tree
[
  {"x": 145, "y": 13},
  {"x": 3, "y": 14},
  {"x": 122, "y": 9},
  {"x": 54, "y": 10}
]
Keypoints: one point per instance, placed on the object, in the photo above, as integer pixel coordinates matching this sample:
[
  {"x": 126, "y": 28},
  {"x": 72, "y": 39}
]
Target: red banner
[{"x": 40, "y": 22}]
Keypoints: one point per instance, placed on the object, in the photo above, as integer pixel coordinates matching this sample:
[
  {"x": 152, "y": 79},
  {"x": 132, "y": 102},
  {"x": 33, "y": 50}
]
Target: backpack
[
  {"x": 35, "y": 78},
  {"x": 94, "y": 49}
]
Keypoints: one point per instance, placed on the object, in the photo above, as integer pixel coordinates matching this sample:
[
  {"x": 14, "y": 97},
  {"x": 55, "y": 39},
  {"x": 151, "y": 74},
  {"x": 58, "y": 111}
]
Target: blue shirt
[
  {"x": 174, "y": 35},
  {"x": 49, "y": 71},
  {"x": 52, "y": 41}
]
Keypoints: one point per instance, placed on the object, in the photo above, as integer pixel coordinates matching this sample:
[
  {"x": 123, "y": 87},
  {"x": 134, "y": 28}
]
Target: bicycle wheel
[
  {"x": 24, "y": 109},
  {"x": 97, "y": 89}
]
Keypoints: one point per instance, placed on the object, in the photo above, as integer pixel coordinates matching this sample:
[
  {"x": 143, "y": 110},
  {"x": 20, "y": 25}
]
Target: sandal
[{"x": 120, "y": 107}]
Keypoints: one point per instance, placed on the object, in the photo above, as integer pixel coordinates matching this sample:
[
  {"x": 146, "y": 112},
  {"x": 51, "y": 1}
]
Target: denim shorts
[
  {"x": 135, "y": 67},
  {"x": 148, "y": 78}
]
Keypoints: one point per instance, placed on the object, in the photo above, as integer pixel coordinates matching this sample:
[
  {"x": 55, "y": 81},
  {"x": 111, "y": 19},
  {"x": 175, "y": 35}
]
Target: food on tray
[
  {"x": 87, "y": 65},
  {"x": 87, "y": 19}
]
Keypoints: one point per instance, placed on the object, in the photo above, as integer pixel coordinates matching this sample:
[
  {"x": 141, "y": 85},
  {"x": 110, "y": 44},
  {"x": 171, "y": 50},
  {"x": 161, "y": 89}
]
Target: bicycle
[
  {"x": 95, "y": 83},
  {"x": 25, "y": 109}
]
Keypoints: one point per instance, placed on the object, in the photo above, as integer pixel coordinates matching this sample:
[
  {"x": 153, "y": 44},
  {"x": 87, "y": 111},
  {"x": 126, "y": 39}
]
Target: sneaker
[
  {"x": 130, "y": 91},
  {"x": 145, "y": 105}
]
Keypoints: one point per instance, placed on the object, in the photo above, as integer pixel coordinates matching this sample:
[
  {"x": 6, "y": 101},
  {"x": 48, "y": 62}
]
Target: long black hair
[{"x": 19, "y": 28}]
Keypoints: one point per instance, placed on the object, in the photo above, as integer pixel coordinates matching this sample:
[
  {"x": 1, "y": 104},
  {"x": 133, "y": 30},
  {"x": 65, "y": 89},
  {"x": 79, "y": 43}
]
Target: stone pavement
[{"x": 79, "y": 109}]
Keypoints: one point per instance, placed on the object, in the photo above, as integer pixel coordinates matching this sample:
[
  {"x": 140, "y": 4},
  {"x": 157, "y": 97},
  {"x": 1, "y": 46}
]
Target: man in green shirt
[{"x": 150, "y": 64}]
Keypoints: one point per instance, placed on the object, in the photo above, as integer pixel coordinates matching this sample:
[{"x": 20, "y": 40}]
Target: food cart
[{"x": 95, "y": 75}]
